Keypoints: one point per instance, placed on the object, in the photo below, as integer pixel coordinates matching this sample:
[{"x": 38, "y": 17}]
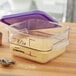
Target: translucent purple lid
[
  {"x": 20, "y": 17},
  {"x": 34, "y": 24}
]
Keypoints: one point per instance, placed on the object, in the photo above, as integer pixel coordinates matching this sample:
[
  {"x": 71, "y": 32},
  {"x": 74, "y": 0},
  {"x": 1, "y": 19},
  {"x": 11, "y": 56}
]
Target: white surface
[
  {"x": 19, "y": 5},
  {"x": 54, "y": 6},
  {"x": 2, "y": 1}
]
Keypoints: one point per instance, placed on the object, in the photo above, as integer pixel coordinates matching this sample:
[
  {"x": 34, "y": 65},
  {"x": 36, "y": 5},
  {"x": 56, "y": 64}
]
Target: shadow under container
[{"x": 39, "y": 44}]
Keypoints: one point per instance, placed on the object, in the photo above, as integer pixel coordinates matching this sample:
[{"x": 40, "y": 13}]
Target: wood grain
[{"x": 64, "y": 65}]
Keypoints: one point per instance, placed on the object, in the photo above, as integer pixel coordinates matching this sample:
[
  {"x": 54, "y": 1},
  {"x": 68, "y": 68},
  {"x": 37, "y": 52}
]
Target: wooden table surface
[{"x": 64, "y": 65}]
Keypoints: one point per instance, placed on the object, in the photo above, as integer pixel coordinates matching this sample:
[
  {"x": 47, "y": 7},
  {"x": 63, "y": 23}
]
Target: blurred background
[{"x": 62, "y": 10}]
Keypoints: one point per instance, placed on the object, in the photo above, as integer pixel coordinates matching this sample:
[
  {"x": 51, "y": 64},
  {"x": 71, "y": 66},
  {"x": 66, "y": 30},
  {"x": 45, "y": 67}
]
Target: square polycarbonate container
[
  {"x": 39, "y": 42},
  {"x": 38, "y": 39}
]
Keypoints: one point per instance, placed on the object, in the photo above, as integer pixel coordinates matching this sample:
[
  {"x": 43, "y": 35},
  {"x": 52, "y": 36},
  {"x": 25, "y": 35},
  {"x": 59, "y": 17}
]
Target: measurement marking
[
  {"x": 30, "y": 54},
  {"x": 30, "y": 41},
  {"x": 18, "y": 50}
]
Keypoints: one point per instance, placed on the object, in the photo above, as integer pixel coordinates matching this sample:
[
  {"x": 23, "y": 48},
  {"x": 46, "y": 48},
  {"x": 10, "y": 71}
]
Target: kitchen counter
[{"x": 63, "y": 65}]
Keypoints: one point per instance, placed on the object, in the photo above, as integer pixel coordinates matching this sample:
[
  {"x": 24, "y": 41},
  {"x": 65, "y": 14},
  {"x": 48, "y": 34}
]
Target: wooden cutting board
[{"x": 64, "y": 65}]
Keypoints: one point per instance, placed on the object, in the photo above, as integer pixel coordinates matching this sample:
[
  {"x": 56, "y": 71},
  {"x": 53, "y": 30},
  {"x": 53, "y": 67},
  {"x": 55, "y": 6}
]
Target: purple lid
[
  {"x": 15, "y": 18},
  {"x": 33, "y": 24}
]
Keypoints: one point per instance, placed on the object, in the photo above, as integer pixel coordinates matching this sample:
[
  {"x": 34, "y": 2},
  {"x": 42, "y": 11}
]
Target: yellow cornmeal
[{"x": 35, "y": 55}]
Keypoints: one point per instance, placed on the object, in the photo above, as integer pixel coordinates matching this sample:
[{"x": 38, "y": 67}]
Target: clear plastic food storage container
[{"x": 37, "y": 39}]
